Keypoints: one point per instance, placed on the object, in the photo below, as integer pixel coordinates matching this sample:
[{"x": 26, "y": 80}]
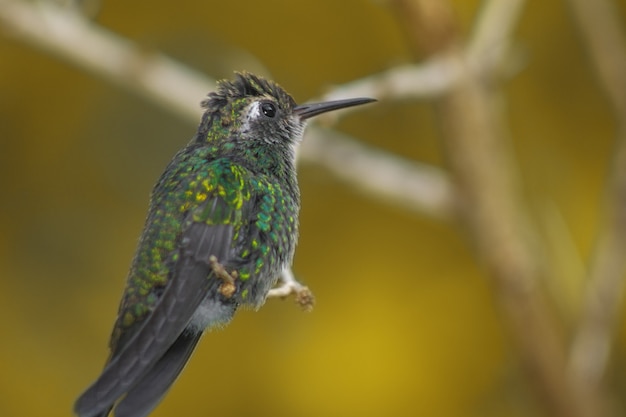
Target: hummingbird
[{"x": 221, "y": 227}]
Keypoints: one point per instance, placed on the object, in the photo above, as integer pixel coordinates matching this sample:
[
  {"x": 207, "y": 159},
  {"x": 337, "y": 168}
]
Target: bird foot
[
  {"x": 227, "y": 289},
  {"x": 289, "y": 285}
]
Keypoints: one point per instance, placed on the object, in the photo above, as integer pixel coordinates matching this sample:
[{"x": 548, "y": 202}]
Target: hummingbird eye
[{"x": 268, "y": 109}]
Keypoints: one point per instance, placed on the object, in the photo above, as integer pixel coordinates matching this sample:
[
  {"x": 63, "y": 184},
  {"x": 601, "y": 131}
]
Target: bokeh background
[{"x": 78, "y": 157}]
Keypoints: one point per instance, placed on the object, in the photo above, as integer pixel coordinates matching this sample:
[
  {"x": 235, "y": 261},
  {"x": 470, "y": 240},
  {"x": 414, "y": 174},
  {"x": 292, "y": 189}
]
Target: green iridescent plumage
[
  {"x": 222, "y": 225},
  {"x": 259, "y": 209}
]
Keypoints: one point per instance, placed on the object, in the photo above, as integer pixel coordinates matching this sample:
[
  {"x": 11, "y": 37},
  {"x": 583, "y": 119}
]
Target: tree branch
[
  {"x": 66, "y": 34},
  {"x": 391, "y": 179},
  {"x": 490, "y": 196},
  {"x": 439, "y": 74},
  {"x": 603, "y": 35}
]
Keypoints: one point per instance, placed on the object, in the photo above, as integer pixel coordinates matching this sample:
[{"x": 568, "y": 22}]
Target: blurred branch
[
  {"x": 162, "y": 80},
  {"x": 490, "y": 196},
  {"x": 64, "y": 33},
  {"x": 603, "y": 35},
  {"x": 491, "y": 38},
  {"x": 440, "y": 73},
  {"x": 424, "y": 188},
  {"x": 426, "y": 80}
]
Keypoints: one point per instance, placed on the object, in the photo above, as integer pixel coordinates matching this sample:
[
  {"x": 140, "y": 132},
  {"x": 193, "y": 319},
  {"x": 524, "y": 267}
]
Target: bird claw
[
  {"x": 288, "y": 285},
  {"x": 228, "y": 287}
]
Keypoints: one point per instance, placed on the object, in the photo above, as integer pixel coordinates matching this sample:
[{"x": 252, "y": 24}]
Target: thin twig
[{"x": 604, "y": 37}]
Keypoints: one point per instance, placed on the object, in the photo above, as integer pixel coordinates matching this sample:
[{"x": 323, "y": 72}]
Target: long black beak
[{"x": 306, "y": 111}]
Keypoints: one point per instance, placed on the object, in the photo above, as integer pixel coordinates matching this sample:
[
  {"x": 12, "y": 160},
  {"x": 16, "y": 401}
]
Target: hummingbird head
[{"x": 252, "y": 112}]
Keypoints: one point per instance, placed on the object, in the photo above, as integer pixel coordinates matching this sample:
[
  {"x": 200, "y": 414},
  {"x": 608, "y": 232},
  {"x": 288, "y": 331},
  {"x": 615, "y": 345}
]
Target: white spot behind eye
[{"x": 255, "y": 110}]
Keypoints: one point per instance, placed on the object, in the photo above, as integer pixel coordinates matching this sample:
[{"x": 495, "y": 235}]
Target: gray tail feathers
[
  {"x": 150, "y": 389},
  {"x": 146, "y": 394}
]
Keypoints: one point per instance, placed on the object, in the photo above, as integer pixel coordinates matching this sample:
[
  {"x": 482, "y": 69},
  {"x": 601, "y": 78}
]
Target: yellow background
[{"x": 406, "y": 323}]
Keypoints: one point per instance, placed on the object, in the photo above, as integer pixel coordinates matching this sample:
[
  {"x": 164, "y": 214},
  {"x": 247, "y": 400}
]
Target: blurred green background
[{"x": 79, "y": 156}]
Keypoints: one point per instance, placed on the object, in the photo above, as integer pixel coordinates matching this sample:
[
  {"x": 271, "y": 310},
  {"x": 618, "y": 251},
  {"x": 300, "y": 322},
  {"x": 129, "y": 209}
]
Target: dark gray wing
[{"x": 188, "y": 286}]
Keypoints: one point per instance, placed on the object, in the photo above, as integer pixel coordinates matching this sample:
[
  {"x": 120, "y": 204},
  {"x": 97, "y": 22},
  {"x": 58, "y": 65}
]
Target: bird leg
[
  {"x": 227, "y": 289},
  {"x": 289, "y": 285}
]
